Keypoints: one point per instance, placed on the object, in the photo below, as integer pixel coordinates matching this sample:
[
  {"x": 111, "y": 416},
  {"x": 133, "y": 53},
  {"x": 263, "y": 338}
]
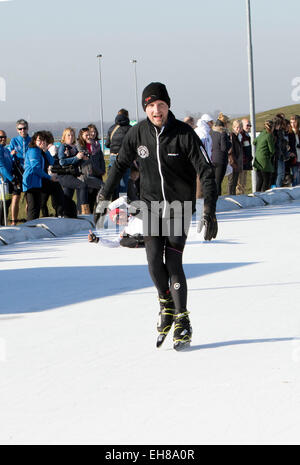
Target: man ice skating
[{"x": 170, "y": 155}]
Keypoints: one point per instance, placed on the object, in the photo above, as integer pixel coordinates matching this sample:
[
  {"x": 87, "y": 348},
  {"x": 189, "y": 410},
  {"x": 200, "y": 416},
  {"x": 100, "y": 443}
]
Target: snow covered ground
[{"x": 78, "y": 362}]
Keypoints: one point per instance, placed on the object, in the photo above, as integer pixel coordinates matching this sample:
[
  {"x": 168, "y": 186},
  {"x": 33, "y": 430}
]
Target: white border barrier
[
  {"x": 275, "y": 196},
  {"x": 45, "y": 228},
  {"x": 60, "y": 227}
]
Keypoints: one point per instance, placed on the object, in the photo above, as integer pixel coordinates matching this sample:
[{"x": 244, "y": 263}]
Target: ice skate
[
  {"x": 183, "y": 331},
  {"x": 165, "y": 318}
]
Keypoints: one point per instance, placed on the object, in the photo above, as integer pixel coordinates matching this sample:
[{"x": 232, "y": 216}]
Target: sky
[{"x": 49, "y": 69}]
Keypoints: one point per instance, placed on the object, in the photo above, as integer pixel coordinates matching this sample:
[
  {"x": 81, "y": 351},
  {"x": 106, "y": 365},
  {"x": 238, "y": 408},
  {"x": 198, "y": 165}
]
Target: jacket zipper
[{"x": 160, "y": 170}]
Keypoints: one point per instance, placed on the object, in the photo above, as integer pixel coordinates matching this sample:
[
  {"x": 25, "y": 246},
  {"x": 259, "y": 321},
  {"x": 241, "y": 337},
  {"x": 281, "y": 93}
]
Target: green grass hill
[{"x": 269, "y": 114}]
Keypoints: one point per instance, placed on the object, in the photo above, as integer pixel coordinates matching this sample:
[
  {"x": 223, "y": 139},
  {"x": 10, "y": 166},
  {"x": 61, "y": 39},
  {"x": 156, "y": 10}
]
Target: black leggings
[{"x": 164, "y": 255}]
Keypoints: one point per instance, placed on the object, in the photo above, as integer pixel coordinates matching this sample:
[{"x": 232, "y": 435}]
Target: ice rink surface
[{"x": 78, "y": 362}]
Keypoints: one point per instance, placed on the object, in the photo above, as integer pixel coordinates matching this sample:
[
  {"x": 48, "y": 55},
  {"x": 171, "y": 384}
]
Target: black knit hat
[{"x": 155, "y": 91}]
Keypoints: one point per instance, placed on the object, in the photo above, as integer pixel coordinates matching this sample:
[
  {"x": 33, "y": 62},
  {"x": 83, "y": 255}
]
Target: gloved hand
[
  {"x": 100, "y": 211},
  {"x": 210, "y": 225}
]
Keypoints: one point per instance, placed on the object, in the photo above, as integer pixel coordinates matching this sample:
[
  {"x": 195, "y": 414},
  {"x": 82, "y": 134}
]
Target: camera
[
  {"x": 64, "y": 170},
  {"x": 18, "y": 171}
]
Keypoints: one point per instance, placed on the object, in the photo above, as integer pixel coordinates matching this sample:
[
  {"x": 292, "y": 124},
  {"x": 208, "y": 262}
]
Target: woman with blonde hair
[
  {"x": 264, "y": 157},
  {"x": 236, "y": 156},
  {"x": 69, "y": 155}
]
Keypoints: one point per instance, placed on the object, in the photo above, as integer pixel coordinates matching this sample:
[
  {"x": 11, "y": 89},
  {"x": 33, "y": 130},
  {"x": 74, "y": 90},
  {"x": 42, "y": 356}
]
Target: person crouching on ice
[
  {"x": 170, "y": 155},
  {"x": 132, "y": 234}
]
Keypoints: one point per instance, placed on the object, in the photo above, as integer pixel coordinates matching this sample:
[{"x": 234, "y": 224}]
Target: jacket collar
[{"x": 22, "y": 139}]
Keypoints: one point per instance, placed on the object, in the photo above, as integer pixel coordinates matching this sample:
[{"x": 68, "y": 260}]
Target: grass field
[{"x": 269, "y": 114}]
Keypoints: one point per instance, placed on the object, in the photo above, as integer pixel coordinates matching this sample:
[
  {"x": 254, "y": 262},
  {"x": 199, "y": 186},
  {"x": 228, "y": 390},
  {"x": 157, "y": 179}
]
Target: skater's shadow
[
  {"x": 218, "y": 345},
  {"x": 27, "y": 290},
  {"x": 214, "y": 242}
]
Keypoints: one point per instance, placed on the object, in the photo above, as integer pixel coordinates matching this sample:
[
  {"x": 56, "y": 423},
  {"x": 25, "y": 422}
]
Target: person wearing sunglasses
[
  {"x": 18, "y": 147},
  {"x": 6, "y": 172},
  {"x": 247, "y": 156}
]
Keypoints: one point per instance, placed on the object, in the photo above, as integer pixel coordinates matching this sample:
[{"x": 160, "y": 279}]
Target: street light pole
[
  {"x": 251, "y": 88},
  {"x": 134, "y": 62},
  {"x": 101, "y": 103},
  {"x": 3, "y": 98}
]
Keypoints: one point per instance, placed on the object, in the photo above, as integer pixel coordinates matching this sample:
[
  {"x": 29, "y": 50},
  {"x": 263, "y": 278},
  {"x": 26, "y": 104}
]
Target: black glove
[
  {"x": 210, "y": 225},
  {"x": 100, "y": 211},
  {"x": 92, "y": 237}
]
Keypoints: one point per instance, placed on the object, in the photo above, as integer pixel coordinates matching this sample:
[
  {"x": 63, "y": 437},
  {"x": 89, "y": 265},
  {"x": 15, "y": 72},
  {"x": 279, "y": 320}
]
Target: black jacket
[
  {"x": 168, "y": 163},
  {"x": 293, "y": 143},
  {"x": 237, "y": 153},
  {"x": 247, "y": 151},
  {"x": 220, "y": 146},
  {"x": 281, "y": 144},
  {"x": 114, "y": 143}
]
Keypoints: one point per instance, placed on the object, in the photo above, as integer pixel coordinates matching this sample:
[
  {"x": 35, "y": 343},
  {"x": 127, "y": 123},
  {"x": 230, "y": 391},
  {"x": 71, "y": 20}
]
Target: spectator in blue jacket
[
  {"x": 6, "y": 161},
  {"x": 18, "y": 147},
  {"x": 35, "y": 159},
  {"x": 6, "y": 172}
]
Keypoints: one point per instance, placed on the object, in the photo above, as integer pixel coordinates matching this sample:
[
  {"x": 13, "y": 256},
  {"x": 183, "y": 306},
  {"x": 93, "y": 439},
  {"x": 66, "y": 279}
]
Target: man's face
[
  {"x": 22, "y": 130},
  {"x": 246, "y": 125},
  {"x": 157, "y": 113},
  {"x": 2, "y": 138}
]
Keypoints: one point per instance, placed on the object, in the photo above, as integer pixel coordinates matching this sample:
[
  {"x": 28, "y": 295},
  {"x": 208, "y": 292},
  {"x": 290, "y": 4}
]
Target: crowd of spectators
[
  {"x": 40, "y": 168},
  {"x": 70, "y": 171},
  {"x": 43, "y": 169},
  {"x": 277, "y": 153}
]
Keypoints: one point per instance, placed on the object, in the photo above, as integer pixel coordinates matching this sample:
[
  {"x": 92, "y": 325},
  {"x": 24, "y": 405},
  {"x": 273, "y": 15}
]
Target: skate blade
[
  {"x": 160, "y": 340},
  {"x": 181, "y": 346}
]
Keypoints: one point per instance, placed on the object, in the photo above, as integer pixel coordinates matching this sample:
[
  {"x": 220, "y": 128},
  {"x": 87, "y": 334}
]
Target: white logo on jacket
[
  {"x": 142, "y": 151},
  {"x": 204, "y": 154}
]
